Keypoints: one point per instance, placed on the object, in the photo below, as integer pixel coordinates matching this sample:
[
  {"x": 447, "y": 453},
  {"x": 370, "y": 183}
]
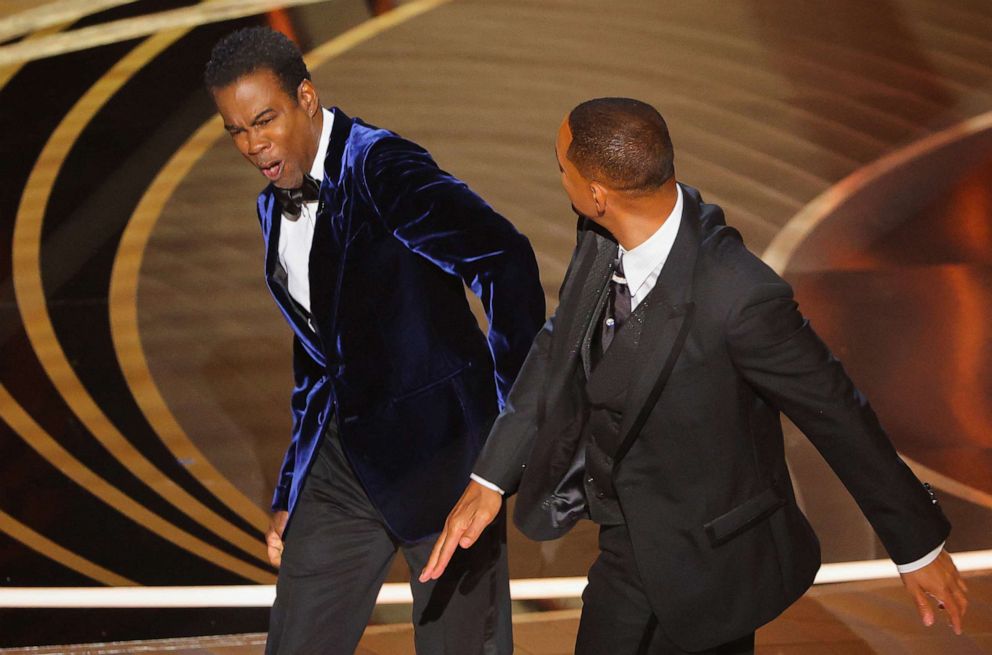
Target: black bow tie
[{"x": 292, "y": 199}]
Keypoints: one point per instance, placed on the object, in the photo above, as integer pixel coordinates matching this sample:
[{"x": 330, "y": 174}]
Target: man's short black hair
[
  {"x": 621, "y": 142},
  {"x": 251, "y": 49}
]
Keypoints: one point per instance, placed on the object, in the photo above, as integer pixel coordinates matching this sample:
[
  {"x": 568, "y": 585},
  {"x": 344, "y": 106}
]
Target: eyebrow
[{"x": 258, "y": 117}]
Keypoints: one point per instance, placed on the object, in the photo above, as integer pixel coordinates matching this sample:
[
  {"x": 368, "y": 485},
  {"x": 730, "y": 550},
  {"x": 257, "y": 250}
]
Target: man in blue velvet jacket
[{"x": 368, "y": 248}]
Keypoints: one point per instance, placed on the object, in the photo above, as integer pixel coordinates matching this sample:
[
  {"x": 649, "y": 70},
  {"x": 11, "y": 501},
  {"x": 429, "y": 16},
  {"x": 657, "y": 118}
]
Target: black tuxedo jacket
[
  {"x": 392, "y": 352},
  {"x": 701, "y": 476}
]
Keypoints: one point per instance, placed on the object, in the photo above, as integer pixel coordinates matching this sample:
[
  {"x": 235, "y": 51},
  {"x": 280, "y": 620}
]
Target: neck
[
  {"x": 317, "y": 126},
  {"x": 636, "y": 218}
]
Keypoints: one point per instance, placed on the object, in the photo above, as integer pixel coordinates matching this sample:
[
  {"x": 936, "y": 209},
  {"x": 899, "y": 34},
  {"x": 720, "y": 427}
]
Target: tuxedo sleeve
[
  {"x": 306, "y": 372},
  {"x": 438, "y": 217},
  {"x": 512, "y": 437},
  {"x": 779, "y": 354}
]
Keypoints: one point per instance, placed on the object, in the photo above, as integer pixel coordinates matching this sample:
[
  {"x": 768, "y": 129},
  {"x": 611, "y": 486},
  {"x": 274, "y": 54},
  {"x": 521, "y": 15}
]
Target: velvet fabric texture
[{"x": 392, "y": 351}]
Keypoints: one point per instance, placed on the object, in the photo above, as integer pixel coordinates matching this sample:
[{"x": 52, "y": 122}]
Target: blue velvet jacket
[{"x": 394, "y": 354}]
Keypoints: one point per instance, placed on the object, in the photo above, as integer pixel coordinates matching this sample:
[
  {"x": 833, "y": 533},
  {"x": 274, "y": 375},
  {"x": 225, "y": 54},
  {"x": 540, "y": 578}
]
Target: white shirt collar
[
  {"x": 317, "y": 168},
  {"x": 640, "y": 262}
]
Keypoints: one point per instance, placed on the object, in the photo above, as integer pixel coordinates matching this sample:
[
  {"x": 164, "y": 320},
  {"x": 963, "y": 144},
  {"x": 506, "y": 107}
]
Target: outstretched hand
[
  {"x": 476, "y": 509},
  {"x": 940, "y": 581}
]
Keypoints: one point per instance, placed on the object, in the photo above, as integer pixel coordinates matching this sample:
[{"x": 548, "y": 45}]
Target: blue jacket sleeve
[{"x": 438, "y": 217}]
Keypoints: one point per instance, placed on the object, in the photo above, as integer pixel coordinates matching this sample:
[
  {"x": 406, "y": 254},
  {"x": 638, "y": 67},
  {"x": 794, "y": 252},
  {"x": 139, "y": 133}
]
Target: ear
[
  {"x": 306, "y": 96},
  {"x": 599, "y": 197}
]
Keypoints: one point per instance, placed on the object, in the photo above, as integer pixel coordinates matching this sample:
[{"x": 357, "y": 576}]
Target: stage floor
[{"x": 855, "y": 618}]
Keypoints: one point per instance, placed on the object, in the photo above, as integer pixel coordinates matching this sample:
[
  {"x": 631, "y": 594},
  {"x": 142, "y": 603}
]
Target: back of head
[
  {"x": 252, "y": 49},
  {"x": 621, "y": 142}
]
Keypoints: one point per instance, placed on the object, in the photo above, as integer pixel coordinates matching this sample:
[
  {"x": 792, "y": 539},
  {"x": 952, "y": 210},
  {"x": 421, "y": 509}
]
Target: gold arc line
[
  {"x": 33, "y": 306},
  {"x": 42, "y": 544},
  {"x": 63, "y": 12},
  {"x": 123, "y": 307},
  {"x": 208, "y": 11},
  {"x": 780, "y": 251},
  {"x": 45, "y": 445},
  {"x": 8, "y": 72},
  {"x": 123, "y": 296},
  {"x": 9, "y": 524}
]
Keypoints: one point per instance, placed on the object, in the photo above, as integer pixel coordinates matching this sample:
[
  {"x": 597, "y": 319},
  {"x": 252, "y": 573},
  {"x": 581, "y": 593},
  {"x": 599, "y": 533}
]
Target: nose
[{"x": 255, "y": 143}]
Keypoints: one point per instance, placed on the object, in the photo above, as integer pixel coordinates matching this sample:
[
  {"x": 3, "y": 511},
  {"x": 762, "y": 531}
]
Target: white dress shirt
[
  {"x": 296, "y": 236},
  {"x": 642, "y": 266}
]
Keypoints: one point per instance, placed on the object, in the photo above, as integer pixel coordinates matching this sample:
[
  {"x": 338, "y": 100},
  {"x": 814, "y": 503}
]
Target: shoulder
[
  {"x": 370, "y": 142},
  {"x": 728, "y": 272}
]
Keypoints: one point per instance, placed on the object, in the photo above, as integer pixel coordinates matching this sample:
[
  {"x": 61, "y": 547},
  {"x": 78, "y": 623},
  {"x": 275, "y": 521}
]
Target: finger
[
  {"x": 432, "y": 561},
  {"x": 923, "y": 607},
  {"x": 475, "y": 528},
  {"x": 962, "y": 601},
  {"x": 448, "y": 549},
  {"x": 275, "y": 556},
  {"x": 954, "y": 612},
  {"x": 959, "y": 581}
]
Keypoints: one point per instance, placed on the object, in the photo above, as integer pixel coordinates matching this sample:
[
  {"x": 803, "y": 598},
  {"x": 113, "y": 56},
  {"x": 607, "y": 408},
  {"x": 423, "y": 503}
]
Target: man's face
[
  {"x": 576, "y": 186},
  {"x": 272, "y": 129}
]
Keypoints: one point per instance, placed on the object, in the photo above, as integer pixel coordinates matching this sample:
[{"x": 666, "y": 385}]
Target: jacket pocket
[
  {"x": 751, "y": 511},
  {"x": 406, "y": 395}
]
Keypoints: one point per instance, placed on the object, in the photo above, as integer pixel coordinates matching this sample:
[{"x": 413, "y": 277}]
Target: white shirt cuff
[
  {"x": 489, "y": 485},
  {"x": 923, "y": 561}
]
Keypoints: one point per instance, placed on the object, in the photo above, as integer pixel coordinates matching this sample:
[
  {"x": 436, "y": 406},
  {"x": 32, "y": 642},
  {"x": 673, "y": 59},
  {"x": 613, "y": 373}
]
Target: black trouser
[
  {"x": 616, "y": 616},
  {"x": 337, "y": 554}
]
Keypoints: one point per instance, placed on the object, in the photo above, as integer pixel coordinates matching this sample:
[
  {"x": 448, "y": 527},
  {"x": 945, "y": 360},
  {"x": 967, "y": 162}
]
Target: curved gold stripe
[
  {"x": 123, "y": 306},
  {"x": 8, "y": 72},
  {"x": 46, "y": 446},
  {"x": 779, "y": 252},
  {"x": 31, "y": 299},
  {"x": 52, "y": 13},
  {"x": 208, "y": 11},
  {"x": 42, "y": 544},
  {"x": 123, "y": 300}
]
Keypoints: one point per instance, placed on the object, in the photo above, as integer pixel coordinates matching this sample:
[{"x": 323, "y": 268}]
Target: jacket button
[
  {"x": 600, "y": 494},
  {"x": 590, "y": 480}
]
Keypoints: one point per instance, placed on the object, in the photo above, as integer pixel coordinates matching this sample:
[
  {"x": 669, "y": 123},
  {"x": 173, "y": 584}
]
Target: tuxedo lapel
[
  {"x": 595, "y": 266},
  {"x": 668, "y": 314},
  {"x": 331, "y": 231},
  {"x": 276, "y": 277}
]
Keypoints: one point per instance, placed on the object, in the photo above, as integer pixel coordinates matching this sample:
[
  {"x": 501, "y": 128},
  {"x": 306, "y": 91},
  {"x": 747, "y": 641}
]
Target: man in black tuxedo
[
  {"x": 369, "y": 246},
  {"x": 650, "y": 403}
]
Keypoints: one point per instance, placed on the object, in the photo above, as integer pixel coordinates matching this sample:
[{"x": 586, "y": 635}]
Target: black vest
[{"x": 607, "y": 379}]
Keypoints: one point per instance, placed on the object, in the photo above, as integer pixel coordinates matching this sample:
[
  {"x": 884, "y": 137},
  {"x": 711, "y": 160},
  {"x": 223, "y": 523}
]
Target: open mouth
[{"x": 271, "y": 170}]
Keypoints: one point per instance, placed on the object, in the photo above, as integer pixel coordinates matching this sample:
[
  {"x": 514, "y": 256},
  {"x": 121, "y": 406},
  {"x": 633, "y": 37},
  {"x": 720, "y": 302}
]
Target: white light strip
[{"x": 391, "y": 594}]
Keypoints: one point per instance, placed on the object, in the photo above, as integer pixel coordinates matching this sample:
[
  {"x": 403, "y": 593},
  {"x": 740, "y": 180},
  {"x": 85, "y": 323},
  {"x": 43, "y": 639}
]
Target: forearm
[{"x": 511, "y": 439}]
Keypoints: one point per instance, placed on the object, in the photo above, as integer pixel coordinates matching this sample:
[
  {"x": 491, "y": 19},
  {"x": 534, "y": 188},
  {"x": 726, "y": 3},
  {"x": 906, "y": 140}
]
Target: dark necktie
[
  {"x": 618, "y": 308},
  {"x": 292, "y": 199}
]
